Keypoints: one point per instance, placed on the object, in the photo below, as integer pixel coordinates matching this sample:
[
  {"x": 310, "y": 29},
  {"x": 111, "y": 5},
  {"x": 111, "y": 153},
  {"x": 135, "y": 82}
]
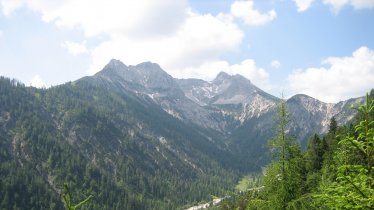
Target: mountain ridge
[
  {"x": 142, "y": 137},
  {"x": 229, "y": 103},
  {"x": 225, "y": 89}
]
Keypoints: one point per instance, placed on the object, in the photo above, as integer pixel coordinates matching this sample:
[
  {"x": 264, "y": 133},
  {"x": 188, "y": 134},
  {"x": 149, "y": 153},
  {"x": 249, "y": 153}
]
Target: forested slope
[
  {"x": 127, "y": 153},
  {"x": 335, "y": 172}
]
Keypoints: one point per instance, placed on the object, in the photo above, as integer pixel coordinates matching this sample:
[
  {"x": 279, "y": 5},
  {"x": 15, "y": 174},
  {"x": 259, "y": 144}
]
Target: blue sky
[{"x": 323, "y": 48}]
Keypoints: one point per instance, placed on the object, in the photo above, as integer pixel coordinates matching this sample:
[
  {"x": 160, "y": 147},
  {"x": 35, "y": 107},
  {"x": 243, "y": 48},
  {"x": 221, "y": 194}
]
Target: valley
[{"x": 136, "y": 138}]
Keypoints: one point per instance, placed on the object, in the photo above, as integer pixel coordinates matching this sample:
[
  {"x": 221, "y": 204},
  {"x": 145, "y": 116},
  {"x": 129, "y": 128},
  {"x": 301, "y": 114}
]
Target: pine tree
[
  {"x": 333, "y": 126},
  {"x": 314, "y": 153},
  {"x": 353, "y": 187},
  {"x": 284, "y": 177}
]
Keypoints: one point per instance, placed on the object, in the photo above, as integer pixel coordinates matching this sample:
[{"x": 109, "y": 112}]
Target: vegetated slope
[
  {"x": 307, "y": 116},
  {"x": 22, "y": 121},
  {"x": 119, "y": 147},
  {"x": 250, "y": 115},
  {"x": 334, "y": 172},
  {"x": 240, "y": 116},
  {"x": 136, "y": 138}
]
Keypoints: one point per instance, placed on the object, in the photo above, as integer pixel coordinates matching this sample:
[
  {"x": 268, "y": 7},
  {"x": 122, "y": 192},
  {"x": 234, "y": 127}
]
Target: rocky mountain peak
[
  {"x": 114, "y": 69},
  {"x": 113, "y": 63},
  {"x": 308, "y": 103},
  {"x": 301, "y": 97},
  {"x": 148, "y": 66},
  {"x": 149, "y": 70},
  {"x": 151, "y": 75},
  {"x": 147, "y": 74},
  {"x": 238, "y": 77},
  {"x": 227, "y": 96},
  {"x": 225, "y": 77},
  {"x": 222, "y": 76}
]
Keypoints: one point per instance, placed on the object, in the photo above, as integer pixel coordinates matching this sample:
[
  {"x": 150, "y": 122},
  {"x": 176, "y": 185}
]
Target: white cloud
[
  {"x": 275, "y": 64},
  {"x": 303, "y": 5},
  {"x": 345, "y": 77},
  {"x": 133, "y": 18},
  {"x": 362, "y": 4},
  {"x": 250, "y": 16},
  {"x": 248, "y": 69},
  {"x": 199, "y": 38},
  {"x": 357, "y": 4},
  {"x": 37, "y": 82},
  {"x": 336, "y": 5},
  {"x": 209, "y": 70},
  {"x": 8, "y": 6},
  {"x": 162, "y": 31},
  {"x": 75, "y": 48}
]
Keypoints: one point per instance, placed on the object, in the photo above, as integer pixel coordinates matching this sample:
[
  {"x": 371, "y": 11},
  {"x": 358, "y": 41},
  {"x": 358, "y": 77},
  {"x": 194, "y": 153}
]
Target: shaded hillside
[
  {"x": 127, "y": 154},
  {"x": 137, "y": 138}
]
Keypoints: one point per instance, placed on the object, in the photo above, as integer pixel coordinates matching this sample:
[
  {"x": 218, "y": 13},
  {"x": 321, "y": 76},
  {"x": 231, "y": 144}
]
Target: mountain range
[
  {"x": 226, "y": 104},
  {"x": 137, "y": 138}
]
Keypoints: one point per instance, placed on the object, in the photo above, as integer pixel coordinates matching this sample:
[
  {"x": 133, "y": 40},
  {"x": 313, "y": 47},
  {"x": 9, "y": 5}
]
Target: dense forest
[
  {"x": 80, "y": 134},
  {"x": 335, "y": 171},
  {"x": 100, "y": 142}
]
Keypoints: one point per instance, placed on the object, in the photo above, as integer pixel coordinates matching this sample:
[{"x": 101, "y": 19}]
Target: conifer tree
[
  {"x": 284, "y": 177},
  {"x": 333, "y": 126},
  {"x": 353, "y": 187}
]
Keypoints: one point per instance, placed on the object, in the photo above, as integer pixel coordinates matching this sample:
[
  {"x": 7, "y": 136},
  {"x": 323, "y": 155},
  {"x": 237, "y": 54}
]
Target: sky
[{"x": 322, "y": 48}]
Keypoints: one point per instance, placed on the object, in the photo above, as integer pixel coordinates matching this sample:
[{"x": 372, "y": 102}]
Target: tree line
[{"x": 335, "y": 172}]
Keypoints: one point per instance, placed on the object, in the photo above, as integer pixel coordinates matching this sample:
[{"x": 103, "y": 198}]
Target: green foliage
[
  {"x": 335, "y": 171},
  {"x": 284, "y": 177},
  {"x": 333, "y": 126},
  {"x": 249, "y": 182},
  {"x": 353, "y": 187},
  {"x": 284, "y": 181},
  {"x": 314, "y": 154},
  {"x": 102, "y": 141},
  {"x": 68, "y": 199}
]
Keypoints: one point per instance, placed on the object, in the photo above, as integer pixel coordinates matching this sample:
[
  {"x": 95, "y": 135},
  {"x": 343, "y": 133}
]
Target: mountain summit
[
  {"x": 147, "y": 74},
  {"x": 223, "y": 104},
  {"x": 224, "y": 89},
  {"x": 141, "y": 139}
]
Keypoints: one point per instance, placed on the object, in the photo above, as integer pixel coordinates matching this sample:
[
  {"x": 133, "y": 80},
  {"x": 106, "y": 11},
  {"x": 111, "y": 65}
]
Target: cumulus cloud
[
  {"x": 357, "y": 4},
  {"x": 209, "y": 70},
  {"x": 141, "y": 17},
  {"x": 199, "y": 38},
  {"x": 167, "y": 32},
  {"x": 248, "y": 69},
  {"x": 343, "y": 78},
  {"x": 75, "y": 48},
  {"x": 275, "y": 64},
  {"x": 362, "y": 4},
  {"x": 303, "y": 5},
  {"x": 37, "y": 82},
  {"x": 245, "y": 10},
  {"x": 336, "y": 5}
]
